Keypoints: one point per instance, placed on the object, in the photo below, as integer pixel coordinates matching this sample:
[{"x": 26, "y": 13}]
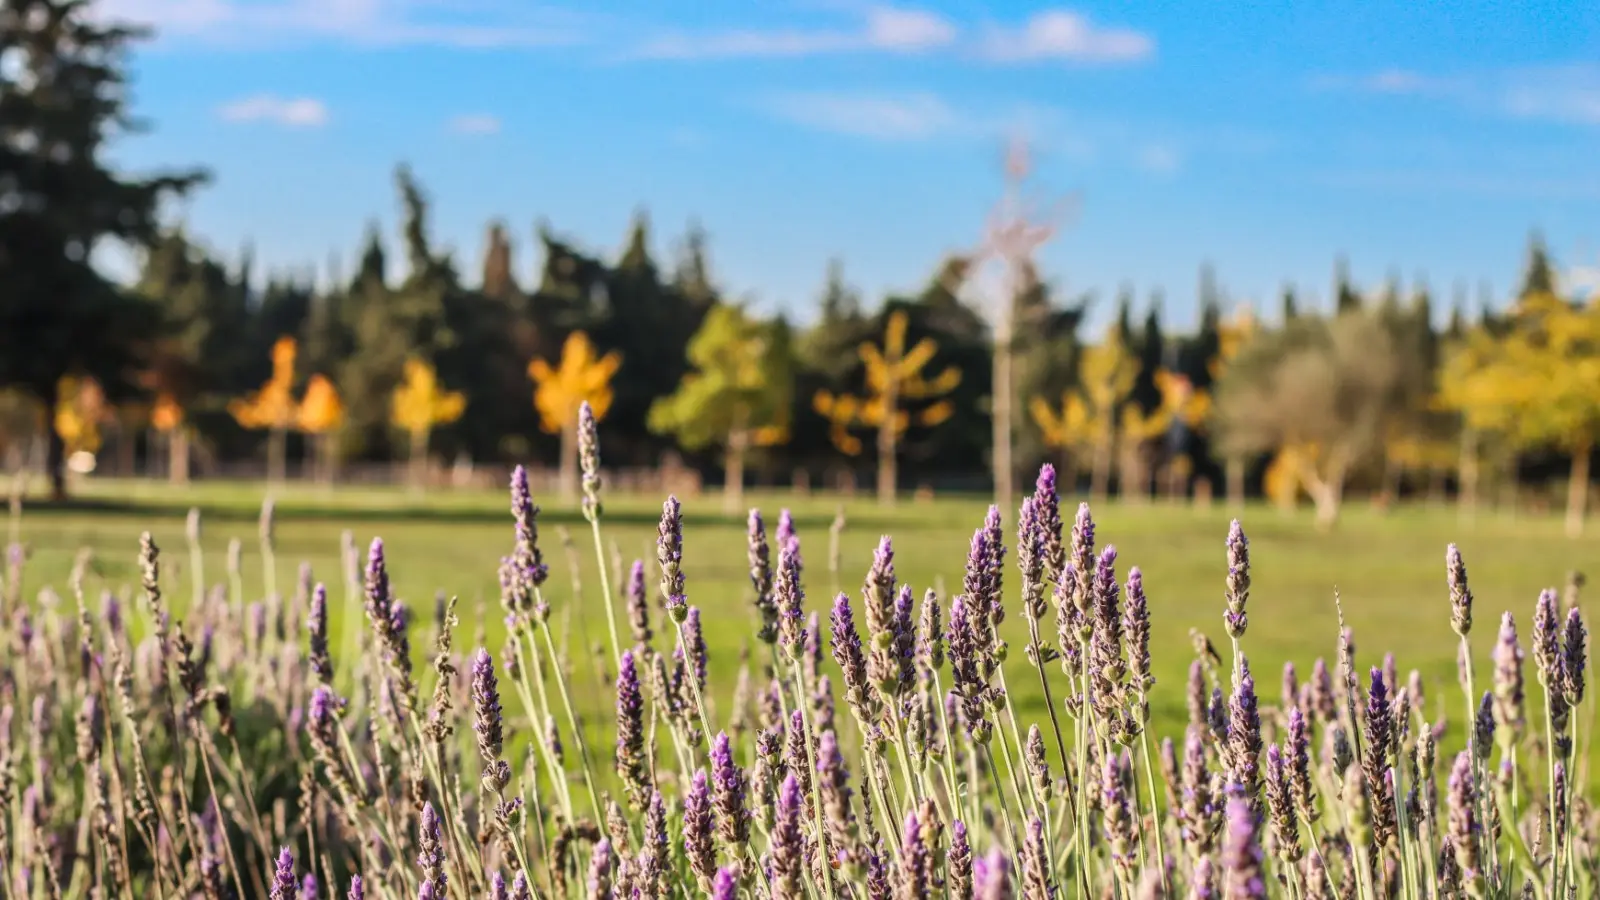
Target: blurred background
[{"x": 366, "y": 255}]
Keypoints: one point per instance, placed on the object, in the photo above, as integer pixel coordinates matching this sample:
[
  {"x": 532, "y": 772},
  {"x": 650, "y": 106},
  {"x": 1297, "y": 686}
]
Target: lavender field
[{"x": 460, "y": 699}]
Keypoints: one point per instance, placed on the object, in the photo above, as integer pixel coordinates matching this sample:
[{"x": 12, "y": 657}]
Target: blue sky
[{"x": 1424, "y": 138}]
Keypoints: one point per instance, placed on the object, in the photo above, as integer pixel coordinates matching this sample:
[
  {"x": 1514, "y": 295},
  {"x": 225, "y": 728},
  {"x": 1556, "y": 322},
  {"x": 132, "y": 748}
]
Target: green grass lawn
[{"x": 1388, "y": 568}]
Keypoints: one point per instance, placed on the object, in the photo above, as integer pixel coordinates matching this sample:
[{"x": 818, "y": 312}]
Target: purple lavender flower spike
[
  {"x": 669, "y": 553},
  {"x": 959, "y": 862},
  {"x": 726, "y": 885},
  {"x": 1460, "y": 594},
  {"x": 698, "y": 847},
  {"x": 1575, "y": 642},
  {"x": 760, "y": 559},
  {"x": 1508, "y": 685},
  {"x": 308, "y": 887},
  {"x": 1237, "y": 594},
  {"x": 630, "y": 757},
  {"x": 638, "y": 606},
  {"x": 787, "y": 536},
  {"x": 1243, "y": 874},
  {"x": 526, "y": 555},
  {"x": 790, "y": 598},
  {"x": 520, "y": 889},
  {"x": 358, "y": 890},
  {"x": 600, "y": 862},
  {"x": 733, "y": 818},
  {"x": 497, "y": 887},
  {"x": 1136, "y": 628},
  {"x": 1081, "y": 560},
  {"x": 1047, "y": 505},
  {"x": 1547, "y": 640},
  {"x": 787, "y": 855},
  {"x": 1037, "y": 881},
  {"x": 992, "y": 876},
  {"x": 695, "y": 647},
  {"x": 916, "y": 862},
  {"x": 589, "y": 460},
  {"x": 283, "y": 881},
  {"x": 317, "y": 627}
]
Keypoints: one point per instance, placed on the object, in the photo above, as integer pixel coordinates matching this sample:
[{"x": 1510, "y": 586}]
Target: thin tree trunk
[
  {"x": 55, "y": 448},
  {"x": 1233, "y": 474},
  {"x": 178, "y": 455},
  {"x": 1000, "y": 410},
  {"x": 277, "y": 442},
  {"x": 888, "y": 472},
  {"x": 1468, "y": 475},
  {"x": 1099, "y": 473},
  {"x": 733, "y": 471},
  {"x": 1326, "y": 493},
  {"x": 419, "y": 459},
  {"x": 1578, "y": 490}
]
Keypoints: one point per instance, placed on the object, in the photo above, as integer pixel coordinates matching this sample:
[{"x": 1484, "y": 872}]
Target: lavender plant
[{"x": 233, "y": 752}]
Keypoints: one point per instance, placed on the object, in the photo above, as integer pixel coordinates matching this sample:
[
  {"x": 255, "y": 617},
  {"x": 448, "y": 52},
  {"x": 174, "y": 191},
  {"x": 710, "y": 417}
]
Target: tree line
[{"x": 203, "y": 358}]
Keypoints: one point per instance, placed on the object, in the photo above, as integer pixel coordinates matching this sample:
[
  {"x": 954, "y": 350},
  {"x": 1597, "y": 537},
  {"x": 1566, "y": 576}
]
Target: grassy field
[{"x": 1388, "y": 568}]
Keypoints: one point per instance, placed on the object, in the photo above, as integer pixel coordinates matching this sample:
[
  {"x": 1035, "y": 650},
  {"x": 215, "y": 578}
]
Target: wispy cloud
[
  {"x": 880, "y": 28},
  {"x": 882, "y": 117},
  {"x": 247, "y": 23},
  {"x": 290, "y": 112},
  {"x": 1053, "y": 34},
  {"x": 1558, "y": 93},
  {"x": 475, "y": 124},
  {"x": 1065, "y": 35}
]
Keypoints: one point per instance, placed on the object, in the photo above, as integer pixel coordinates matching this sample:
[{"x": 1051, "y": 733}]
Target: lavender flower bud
[
  {"x": 1238, "y": 584},
  {"x": 733, "y": 819},
  {"x": 1048, "y": 506},
  {"x": 761, "y": 577},
  {"x": 726, "y": 885},
  {"x": 589, "y": 460},
  {"x": 528, "y": 571},
  {"x": 1203, "y": 882},
  {"x": 930, "y": 633},
  {"x": 959, "y": 862},
  {"x": 1575, "y": 645},
  {"x": 1243, "y": 748},
  {"x": 308, "y": 887},
  {"x": 358, "y": 890},
  {"x": 430, "y": 852},
  {"x": 787, "y": 854},
  {"x": 698, "y": 848},
  {"x": 317, "y": 627},
  {"x": 1037, "y": 881},
  {"x": 638, "y": 606},
  {"x": 1243, "y": 876},
  {"x": 790, "y": 598},
  {"x": 1460, "y": 595},
  {"x": 601, "y": 861},
  {"x": 1508, "y": 689},
  {"x": 1030, "y": 559},
  {"x": 632, "y": 767},
  {"x": 1117, "y": 812},
  {"x": 1464, "y": 827},
  {"x": 669, "y": 553},
  {"x": 1547, "y": 640},
  {"x": 520, "y": 889},
  {"x": 1280, "y": 803},
  {"x": 916, "y": 863},
  {"x": 1136, "y": 625},
  {"x": 283, "y": 881},
  {"x": 1082, "y": 561},
  {"x": 991, "y": 876}
]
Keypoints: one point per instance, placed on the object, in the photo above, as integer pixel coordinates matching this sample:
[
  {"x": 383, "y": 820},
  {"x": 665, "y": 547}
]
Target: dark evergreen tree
[
  {"x": 1539, "y": 276},
  {"x": 1290, "y": 304},
  {"x": 63, "y": 103},
  {"x": 1345, "y": 296}
]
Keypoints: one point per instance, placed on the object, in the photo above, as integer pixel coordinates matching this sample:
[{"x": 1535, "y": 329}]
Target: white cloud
[
  {"x": 235, "y": 23},
  {"x": 1063, "y": 34},
  {"x": 883, "y": 117},
  {"x": 880, "y": 29},
  {"x": 290, "y": 112},
  {"x": 1558, "y": 93},
  {"x": 475, "y": 124},
  {"x": 1160, "y": 159},
  {"x": 1053, "y": 34}
]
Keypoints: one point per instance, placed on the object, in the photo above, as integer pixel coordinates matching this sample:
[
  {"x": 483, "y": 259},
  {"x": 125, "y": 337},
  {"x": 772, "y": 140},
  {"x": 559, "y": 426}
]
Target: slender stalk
[
  {"x": 572, "y": 719},
  {"x": 605, "y": 591},
  {"x": 811, "y": 761},
  {"x": 1155, "y": 806}
]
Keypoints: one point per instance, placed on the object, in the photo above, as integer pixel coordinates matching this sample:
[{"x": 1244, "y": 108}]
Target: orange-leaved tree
[
  {"x": 560, "y": 391},
  {"x": 272, "y": 407},
  {"x": 321, "y": 414}
]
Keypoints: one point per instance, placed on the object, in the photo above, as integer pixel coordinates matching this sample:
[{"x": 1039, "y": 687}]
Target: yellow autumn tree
[
  {"x": 581, "y": 375},
  {"x": 321, "y": 414},
  {"x": 1139, "y": 428},
  {"x": 1538, "y": 384},
  {"x": 419, "y": 405},
  {"x": 272, "y": 407},
  {"x": 79, "y": 414},
  {"x": 1086, "y": 423},
  {"x": 894, "y": 377},
  {"x": 167, "y": 420}
]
